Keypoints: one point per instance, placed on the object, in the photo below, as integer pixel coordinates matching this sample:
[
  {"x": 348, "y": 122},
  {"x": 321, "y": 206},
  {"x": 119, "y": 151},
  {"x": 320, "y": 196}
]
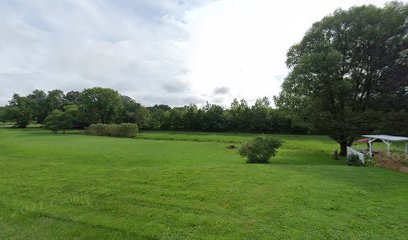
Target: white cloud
[
  {"x": 137, "y": 48},
  {"x": 172, "y": 52},
  {"x": 242, "y": 44}
]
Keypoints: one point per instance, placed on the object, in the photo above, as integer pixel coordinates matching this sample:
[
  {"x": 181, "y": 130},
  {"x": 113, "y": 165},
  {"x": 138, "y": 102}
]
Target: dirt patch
[{"x": 392, "y": 161}]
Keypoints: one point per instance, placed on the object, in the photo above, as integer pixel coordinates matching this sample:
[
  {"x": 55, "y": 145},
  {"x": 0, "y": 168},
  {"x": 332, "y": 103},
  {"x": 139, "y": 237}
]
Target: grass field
[{"x": 168, "y": 185}]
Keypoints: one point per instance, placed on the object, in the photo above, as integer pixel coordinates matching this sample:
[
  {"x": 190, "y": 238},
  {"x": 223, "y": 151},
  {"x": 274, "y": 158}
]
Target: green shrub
[
  {"x": 260, "y": 149},
  {"x": 353, "y": 160},
  {"x": 369, "y": 161},
  {"x": 58, "y": 120},
  {"x": 129, "y": 130},
  {"x": 231, "y": 146},
  {"x": 96, "y": 129},
  {"x": 124, "y": 130}
]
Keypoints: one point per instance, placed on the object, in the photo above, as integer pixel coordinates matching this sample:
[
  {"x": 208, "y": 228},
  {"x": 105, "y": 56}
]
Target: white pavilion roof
[{"x": 387, "y": 137}]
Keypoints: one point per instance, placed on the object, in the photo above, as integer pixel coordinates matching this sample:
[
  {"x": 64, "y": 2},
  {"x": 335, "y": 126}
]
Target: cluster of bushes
[{"x": 129, "y": 130}]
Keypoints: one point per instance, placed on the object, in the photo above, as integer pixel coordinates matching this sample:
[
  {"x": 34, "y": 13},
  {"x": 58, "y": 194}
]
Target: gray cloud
[
  {"x": 221, "y": 90},
  {"x": 218, "y": 100},
  {"x": 134, "y": 47},
  {"x": 175, "y": 87},
  {"x": 175, "y": 99}
]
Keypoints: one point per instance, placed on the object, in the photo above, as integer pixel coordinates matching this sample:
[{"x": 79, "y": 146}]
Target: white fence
[{"x": 351, "y": 151}]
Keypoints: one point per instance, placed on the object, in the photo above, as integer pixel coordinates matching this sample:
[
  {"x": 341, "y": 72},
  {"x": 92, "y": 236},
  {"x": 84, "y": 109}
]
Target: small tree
[
  {"x": 58, "y": 120},
  {"x": 260, "y": 149}
]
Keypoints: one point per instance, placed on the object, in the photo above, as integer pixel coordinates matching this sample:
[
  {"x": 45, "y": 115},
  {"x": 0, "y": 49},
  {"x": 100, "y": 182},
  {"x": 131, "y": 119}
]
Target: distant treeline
[{"x": 104, "y": 105}]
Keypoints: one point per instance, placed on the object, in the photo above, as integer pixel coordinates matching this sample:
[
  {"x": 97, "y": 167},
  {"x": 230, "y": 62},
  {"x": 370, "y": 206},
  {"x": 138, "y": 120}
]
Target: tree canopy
[
  {"x": 100, "y": 105},
  {"x": 348, "y": 71}
]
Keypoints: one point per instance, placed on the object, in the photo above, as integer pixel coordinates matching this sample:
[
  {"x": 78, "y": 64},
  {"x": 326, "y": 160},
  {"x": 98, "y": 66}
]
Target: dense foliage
[
  {"x": 129, "y": 130},
  {"x": 349, "y": 74},
  {"x": 260, "y": 149},
  {"x": 100, "y": 105},
  {"x": 354, "y": 160},
  {"x": 103, "y": 105},
  {"x": 58, "y": 120}
]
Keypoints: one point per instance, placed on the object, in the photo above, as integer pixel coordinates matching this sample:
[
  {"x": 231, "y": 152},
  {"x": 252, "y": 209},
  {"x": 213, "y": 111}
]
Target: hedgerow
[{"x": 129, "y": 130}]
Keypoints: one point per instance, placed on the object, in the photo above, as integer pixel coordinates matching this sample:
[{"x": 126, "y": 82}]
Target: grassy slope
[{"x": 66, "y": 186}]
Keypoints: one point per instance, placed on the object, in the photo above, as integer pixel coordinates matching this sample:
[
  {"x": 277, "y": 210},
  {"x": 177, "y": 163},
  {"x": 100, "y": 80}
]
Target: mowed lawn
[{"x": 169, "y": 185}]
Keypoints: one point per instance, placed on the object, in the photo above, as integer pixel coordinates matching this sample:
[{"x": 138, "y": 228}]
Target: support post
[
  {"x": 370, "y": 147},
  {"x": 388, "y": 144}
]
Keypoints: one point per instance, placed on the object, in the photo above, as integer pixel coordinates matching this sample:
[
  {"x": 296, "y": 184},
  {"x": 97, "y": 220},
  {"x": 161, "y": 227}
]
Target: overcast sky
[{"x": 174, "y": 52}]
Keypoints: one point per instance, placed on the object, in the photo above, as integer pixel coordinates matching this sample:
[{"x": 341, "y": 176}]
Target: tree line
[{"x": 59, "y": 111}]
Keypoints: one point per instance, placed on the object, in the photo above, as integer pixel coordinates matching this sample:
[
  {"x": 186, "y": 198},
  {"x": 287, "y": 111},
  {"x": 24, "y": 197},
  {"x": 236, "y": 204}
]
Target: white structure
[
  {"x": 387, "y": 139},
  {"x": 351, "y": 151}
]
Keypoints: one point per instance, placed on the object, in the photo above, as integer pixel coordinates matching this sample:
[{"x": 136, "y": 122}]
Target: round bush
[{"x": 260, "y": 149}]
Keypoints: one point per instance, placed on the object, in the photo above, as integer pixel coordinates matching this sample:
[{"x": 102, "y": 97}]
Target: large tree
[
  {"x": 157, "y": 116},
  {"x": 54, "y": 100},
  {"x": 3, "y": 117},
  {"x": 133, "y": 112},
  {"x": 100, "y": 105},
  {"x": 260, "y": 112},
  {"x": 213, "y": 118},
  {"x": 58, "y": 120},
  {"x": 190, "y": 119},
  {"x": 38, "y": 105},
  {"x": 348, "y": 70},
  {"x": 240, "y": 115},
  {"x": 72, "y": 97},
  {"x": 19, "y": 110}
]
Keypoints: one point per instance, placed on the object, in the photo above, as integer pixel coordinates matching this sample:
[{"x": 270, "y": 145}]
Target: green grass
[{"x": 168, "y": 185}]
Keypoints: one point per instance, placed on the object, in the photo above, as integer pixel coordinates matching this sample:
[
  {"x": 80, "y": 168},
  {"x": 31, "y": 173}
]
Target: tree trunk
[
  {"x": 344, "y": 145},
  {"x": 343, "y": 148}
]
